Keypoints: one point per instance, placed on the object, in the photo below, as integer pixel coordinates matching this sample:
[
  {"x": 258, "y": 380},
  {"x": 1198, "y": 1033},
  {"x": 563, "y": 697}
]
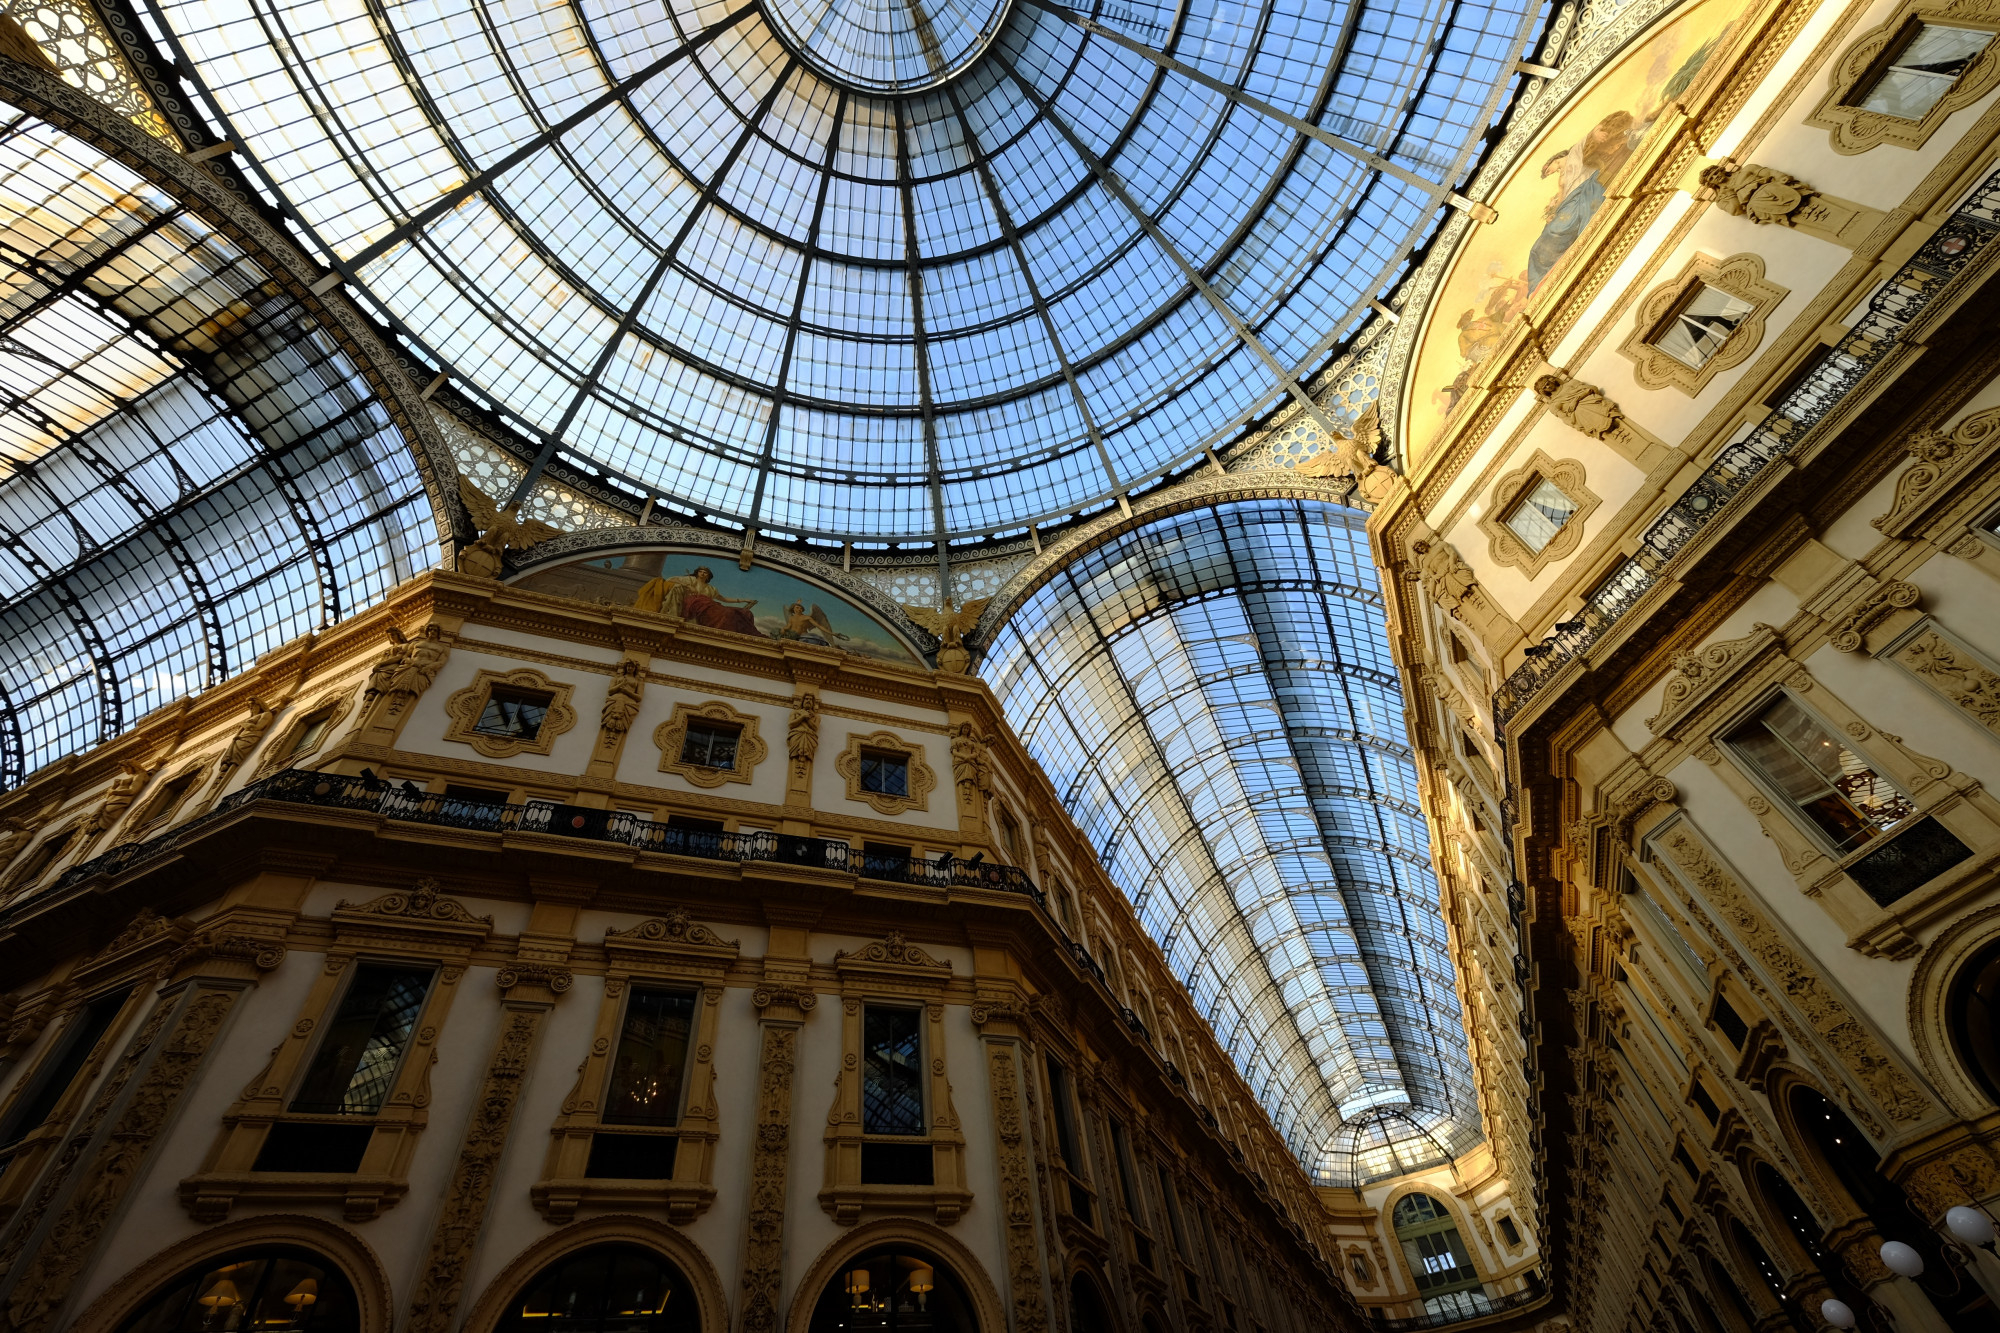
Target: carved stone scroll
[
  {"x": 1024, "y": 1265},
  {"x": 1963, "y": 680},
  {"x": 47, "y": 1276},
  {"x": 1771, "y": 198},
  {"x": 1850, "y": 1041},
  {"x": 763, "y": 1251},
  {"x": 1941, "y": 460},
  {"x": 434, "y": 1303}
]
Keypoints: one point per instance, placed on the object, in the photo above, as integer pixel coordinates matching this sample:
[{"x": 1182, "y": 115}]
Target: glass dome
[{"x": 862, "y": 269}]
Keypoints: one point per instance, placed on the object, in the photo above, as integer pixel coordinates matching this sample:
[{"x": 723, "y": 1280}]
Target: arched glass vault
[
  {"x": 1213, "y": 697},
  {"x": 868, "y": 272},
  {"x": 192, "y": 471}
]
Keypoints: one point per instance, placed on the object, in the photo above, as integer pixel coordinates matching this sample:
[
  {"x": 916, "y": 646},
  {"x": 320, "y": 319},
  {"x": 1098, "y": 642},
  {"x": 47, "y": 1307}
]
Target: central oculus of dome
[{"x": 887, "y": 46}]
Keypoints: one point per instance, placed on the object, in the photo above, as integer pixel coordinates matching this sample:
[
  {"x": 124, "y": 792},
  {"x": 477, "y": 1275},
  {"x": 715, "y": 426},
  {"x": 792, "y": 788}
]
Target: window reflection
[
  {"x": 1823, "y": 778},
  {"x": 896, "y": 1290},
  {"x": 606, "y": 1289},
  {"x": 268, "y": 1289},
  {"x": 652, "y": 1059}
]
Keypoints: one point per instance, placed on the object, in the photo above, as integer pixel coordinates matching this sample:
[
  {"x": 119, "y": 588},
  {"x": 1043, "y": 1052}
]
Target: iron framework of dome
[
  {"x": 1213, "y": 697},
  {"x": 666, "y": 244}
]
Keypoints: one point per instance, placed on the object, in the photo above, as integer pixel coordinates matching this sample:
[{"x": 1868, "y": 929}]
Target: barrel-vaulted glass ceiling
[
  {"x": 192, "y": 472},
  {"x": 1213, "y": 697},
  {"x": 869, "y": 269}
]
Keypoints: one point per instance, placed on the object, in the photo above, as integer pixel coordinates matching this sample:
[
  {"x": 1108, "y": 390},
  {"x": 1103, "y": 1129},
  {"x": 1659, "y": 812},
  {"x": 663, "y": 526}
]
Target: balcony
[{"x": 406, "y": 804}]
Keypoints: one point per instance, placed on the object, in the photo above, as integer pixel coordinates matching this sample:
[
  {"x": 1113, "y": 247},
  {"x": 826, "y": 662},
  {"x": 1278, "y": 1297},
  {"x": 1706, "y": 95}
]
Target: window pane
[
  {"x": 892, "y": 1095},
  {"x": 1540, "y": 515},
  {"x": 363, "y": 1045},
  {"x": 710, "y": 745},
  {"x": 652, "y": 1058},
  {"x": 1828, "y": 782},
  {"x": 53, "y": 1079},
  {"x": 515, "y": 713},
  {"x": 1702, "y": 325},
  {"x": 310, "y": 733},
  {"x": 1924, "y": 71},
  {"x": 888, "y": 774}
]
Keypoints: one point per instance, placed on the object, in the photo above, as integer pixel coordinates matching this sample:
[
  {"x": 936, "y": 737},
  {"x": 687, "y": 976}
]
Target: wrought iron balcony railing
[
  {"x": 404, "y": 803},
  {"x": 1811, "y": 398}
]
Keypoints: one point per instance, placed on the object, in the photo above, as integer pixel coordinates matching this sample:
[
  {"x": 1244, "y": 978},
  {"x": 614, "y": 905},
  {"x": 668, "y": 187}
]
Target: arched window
[
  {"x": 1974, "y": 1016},
  {"x": 894, "y": 1290},
  {"x": 1844, "y": 1154},
  {"x": 605, "y": 1289},
  {"x": 1761, "y": 1263},
  {"x": 1728, "y": 1297},
  {"x": 1438, "y": 1259},
  {"x": 271, "y": 1290},
  {"x": 1086, "y": 1307}
]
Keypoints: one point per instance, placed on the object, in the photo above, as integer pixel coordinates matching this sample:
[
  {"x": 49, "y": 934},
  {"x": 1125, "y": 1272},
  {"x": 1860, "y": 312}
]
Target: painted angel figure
[
  {"x": 500, "y": 530},
  {"x": 802, "y": 624},
  {"x": 950, "y": 626}
]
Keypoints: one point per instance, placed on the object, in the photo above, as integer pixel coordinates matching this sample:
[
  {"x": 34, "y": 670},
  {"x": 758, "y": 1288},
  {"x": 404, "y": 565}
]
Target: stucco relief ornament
[
  {"x": 118, "y": 798},
  {"x": 621, "y": 701},
  {"x": 969, "y": 764},
  {"x": 246, "y": 739},
  {"x": 1581, "y": 406},
  {"x": 14, "y": 835},
  {"x": 421, "y": 661},
  {"x": 1764, "y": 196},
  {"x": 1448, "y": 579}
]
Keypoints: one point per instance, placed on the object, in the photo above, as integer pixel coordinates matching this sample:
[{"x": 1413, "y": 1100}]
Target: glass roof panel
[
  {"x": 191, "y": 472},
  {"x": 1212, "y": 696},
  {"x": 868, "y": 212}
]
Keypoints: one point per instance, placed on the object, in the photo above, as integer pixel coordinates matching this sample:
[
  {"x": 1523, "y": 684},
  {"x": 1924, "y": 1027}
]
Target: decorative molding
[
  {"x": 1960, "y": 676},
  {"x": 1741, "y": 276},
  {"x": 893, "y": 956},
  {"x": 1850, "y": 631},
  {"x": 1771, "y": 198},
  {"x": 462, "y": 1215},
  {"x": 1699, "y": 674},
  {"x": 676, "y": 934},
  {"x": 1567, "y": 476},
  {"x": 1017, "y": 1208},
  {"x": 1853, "y": 130},
  {"x": 671, "y": 738},
  {"x": 420, "y": 904},
  {"x": 465, "y": 706},
  {"x": 921, "y": 780},
  {"x": 1942, "y": 459},
  {"x": 1856, "y": 1048},
  {"x": 54, "y": 1270},
  {"x": 770, "y": 1150}
]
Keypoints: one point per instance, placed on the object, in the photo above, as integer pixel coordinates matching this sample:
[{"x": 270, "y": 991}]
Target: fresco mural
[
  {"x": 759, "y": 601},
  {"x": 1544, "y": 207}
]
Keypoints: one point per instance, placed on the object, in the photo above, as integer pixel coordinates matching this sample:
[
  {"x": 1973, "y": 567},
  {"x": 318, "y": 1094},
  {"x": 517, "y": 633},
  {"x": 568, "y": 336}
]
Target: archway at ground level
[
  {"x": 894, "y": 1289},
  {"x": 1087, "y": 1313},
  {"x": 605, "y": 1289},
  {"x": 267, "y": 1288}
]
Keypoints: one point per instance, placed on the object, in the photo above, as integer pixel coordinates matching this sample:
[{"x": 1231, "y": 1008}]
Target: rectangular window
[
  {"x": 1508, "y": 1231},
  {"x": 1539, "y": 515},
  {"x": 1121, "y": 1148},
  {"x": 1700, "y": 324},
  {"x": 1705, "y": 1103},
  {"x": 45, "y": 856},
  {"x": 311, "y": 731},
  {"x": 884, "y": 860},
  {"x": 514, "y": 713},
  {"x": 1010, "y": 836},
  {"x": 1173, "y": 1206},
  {"x": 711, "y": 744},
  {"x": 1924, "y": 66},
  {"x": 167, "y": 800},
  {"x": 693, "y": 836},
  {"x": 885, "y": 772},
  {"x": 1730, "y": 1023},
  {"x": 362, "y": 1047},
  {"x": 79, "y": 1038},
  {"x": 1825, "y": 780},
  {"x": 892, "y": 1089},
  {"x": 647, "y": 1072},
  {"x": 1068, "y": 1142}
]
